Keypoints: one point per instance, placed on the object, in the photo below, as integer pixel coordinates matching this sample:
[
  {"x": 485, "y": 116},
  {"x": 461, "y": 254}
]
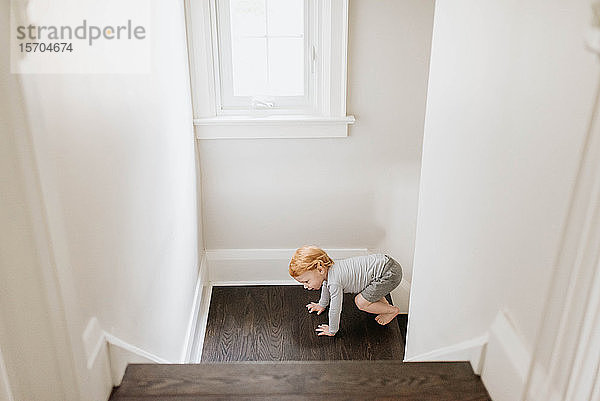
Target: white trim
[
  {"x": 93, "y": 340},
  {"x": 338, "y": 61},
  {"x": 563, "y": 339},
  {"x": 278, "y": 253},
  {"x": 199, "y": 37},
  {"x": 254, "y": 266},
  {"x": 203, "y": 321},
  {"x": 596, "y": 390},
  {"x": 584, "y": 376},
  {"x": 5, "y": 391},
  {"x": 260, "y": 129},
  {"x": 323, "y": 49},
  {"x": 470, "y": 350},
  {"x": 121, "y": 354},
  {"x": 253, "y": 282},
  {"x": 194, "y": 313},
  {"x": 274, "y": 120},
  {"x": 117, "y": 342},
  {"x": 506, "y": 361},
  {"x": 344, "y": 49}
]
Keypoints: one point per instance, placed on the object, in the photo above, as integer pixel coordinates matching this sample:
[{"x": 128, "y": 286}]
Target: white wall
[
  {"x": 29, "y": 364},
  {"x": 120, "y": 155},
  {"x": 355, "y": 192},
  {"x": 117, "y": 169},
  {"x": 509, "y": 101}
]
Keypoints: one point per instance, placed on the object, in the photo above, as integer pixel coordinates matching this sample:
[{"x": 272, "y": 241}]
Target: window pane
[
  {"x": 249, "y": 58},
  {"x": 248, "y": 18},
  {"x": 267, "y": 47},
  {"x": 286, "y": 66},
  {"x": 286, "y": 17}
]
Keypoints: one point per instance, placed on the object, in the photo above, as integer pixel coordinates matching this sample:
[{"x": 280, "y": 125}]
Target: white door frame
[
  {"x": 5, "y": 391},
  {"x": 566, "y": 359}
]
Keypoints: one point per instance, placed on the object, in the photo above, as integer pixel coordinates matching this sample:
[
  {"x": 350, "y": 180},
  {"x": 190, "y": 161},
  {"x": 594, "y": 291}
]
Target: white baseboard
[
  {"x": 121, "y": 354},
  {"x": 253, "y": 282},
  {"x": 201, "y": 281},
  {"x": 98, "y": 360},
  {"x": 196, "y": 355},
  {"x": 470, "y": 350},
  {"x": 106, "y": 352},
  {"x": 507, "y": 361},
  {"x": 202, "y": 302},
  {"x": 259, "y": 266}
]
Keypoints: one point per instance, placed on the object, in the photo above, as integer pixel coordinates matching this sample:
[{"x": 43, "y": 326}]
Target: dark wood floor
[
  {"x": 271, "y": 323},
  {"x": 309, "y": 380},
  {"x": 259, "y": 324}
]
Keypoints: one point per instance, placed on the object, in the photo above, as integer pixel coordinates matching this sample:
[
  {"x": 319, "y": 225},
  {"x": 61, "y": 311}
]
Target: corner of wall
[{"x": 401, "y": 295}]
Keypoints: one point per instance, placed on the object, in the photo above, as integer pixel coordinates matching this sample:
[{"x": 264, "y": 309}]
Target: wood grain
[
  {"x": 261, "y": 345},
  {"x": 271, "y": 323},
  {"x": 335, "y": 380}
]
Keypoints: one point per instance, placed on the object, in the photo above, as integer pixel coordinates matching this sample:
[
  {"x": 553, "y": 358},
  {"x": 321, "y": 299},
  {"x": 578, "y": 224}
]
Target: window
[
  {"x": 276, "y": 68},
  {"x": 264, "y": 55}
]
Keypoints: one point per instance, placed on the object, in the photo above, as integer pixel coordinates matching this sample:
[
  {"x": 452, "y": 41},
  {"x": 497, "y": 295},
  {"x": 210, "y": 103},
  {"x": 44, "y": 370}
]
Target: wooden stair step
[{"x": 332, "y": 380}]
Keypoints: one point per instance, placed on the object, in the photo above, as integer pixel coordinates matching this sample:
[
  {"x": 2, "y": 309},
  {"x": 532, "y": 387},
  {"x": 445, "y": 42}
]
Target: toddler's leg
[{"x": 384, "y": 311}]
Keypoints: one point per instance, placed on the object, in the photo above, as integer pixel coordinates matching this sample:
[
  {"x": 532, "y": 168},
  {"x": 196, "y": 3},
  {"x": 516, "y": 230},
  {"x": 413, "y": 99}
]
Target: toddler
[{"x": 372, "y": 277}]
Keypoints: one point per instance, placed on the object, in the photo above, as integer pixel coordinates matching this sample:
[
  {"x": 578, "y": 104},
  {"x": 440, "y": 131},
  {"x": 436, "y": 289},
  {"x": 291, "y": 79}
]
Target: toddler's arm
[
  {"x": 335, "y": 310},
  {"x": 324, "y": 301}
]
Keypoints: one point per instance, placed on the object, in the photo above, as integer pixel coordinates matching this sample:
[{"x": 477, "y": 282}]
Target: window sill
[{"x": 236, "y": 127}]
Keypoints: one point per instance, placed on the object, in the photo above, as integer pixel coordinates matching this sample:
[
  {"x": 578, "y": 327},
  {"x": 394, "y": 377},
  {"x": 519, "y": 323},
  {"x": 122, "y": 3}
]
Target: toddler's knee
[{"x": 361, "y": 302}]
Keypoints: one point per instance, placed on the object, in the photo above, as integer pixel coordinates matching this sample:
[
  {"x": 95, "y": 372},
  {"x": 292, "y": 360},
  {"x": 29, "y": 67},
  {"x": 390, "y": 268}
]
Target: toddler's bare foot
[{"x": 385, "y": 318}]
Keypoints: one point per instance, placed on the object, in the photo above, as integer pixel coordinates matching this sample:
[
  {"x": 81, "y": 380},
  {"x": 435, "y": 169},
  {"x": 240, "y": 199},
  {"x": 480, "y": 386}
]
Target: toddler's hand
[
  {"x": 312, "y": 307},
  {"x": 323, "y": 330}
]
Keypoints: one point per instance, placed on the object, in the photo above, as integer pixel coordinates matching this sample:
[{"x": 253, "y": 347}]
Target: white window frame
[{"x": 326, "y": 116}]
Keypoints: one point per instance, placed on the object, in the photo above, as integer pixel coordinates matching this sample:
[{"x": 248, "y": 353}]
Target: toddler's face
[{"x": 312, "y": 279}]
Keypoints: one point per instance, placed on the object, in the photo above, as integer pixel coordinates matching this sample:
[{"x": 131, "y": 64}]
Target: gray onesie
[{"x": 374, "y": 276}]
